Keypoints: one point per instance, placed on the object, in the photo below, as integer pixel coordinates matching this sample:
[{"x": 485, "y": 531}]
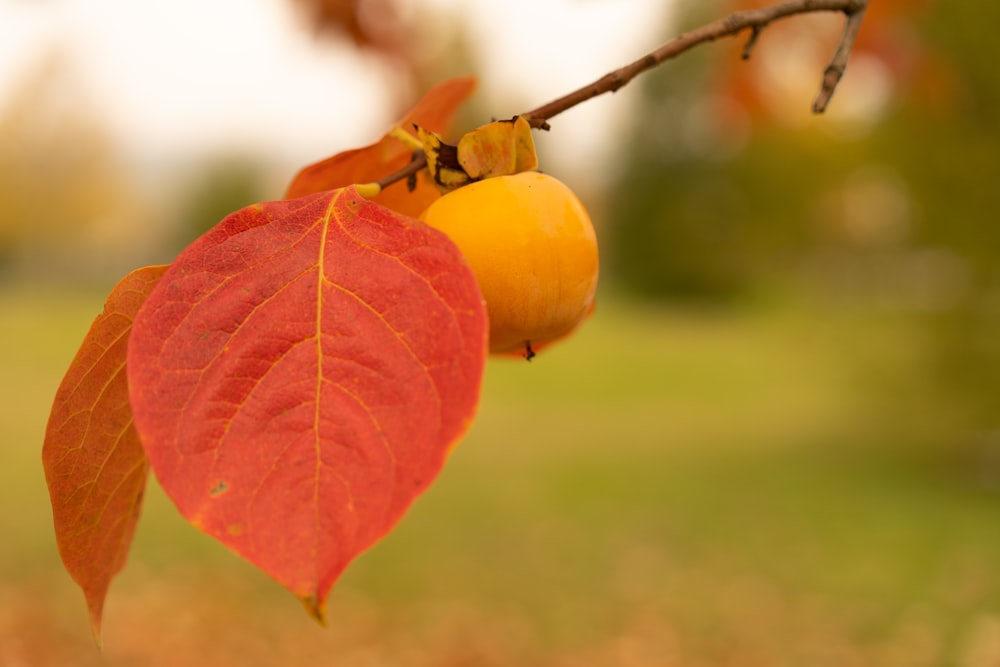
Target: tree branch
[
  {"x": 753, "y": 19},
  {"x": 835, "y": 70}
]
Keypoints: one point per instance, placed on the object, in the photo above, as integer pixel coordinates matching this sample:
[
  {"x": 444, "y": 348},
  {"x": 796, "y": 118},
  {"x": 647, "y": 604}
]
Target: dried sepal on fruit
[{"x": 500, "y": 148}]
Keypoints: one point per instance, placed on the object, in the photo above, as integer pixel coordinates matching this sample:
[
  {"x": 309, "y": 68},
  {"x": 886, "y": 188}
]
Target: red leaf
[
  {"x": 299, "y": 376},
  {"x": 94, "y": 465},
  {"x": 364, "y": 165}
]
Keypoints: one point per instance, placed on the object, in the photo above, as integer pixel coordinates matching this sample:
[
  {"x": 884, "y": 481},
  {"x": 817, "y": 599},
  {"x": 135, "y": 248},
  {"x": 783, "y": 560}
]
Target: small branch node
[
  {"x": 616, "y": 81},
  {"x": 755, "y": 31}
]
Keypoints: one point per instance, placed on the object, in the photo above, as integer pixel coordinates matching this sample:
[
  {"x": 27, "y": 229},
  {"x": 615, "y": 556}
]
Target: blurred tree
[
  {"x": 384, "y": 27},
  {"x": 373, "y": 24},
  {"x": 681, "y": 224},
  {"x": 67, "y": 205},
  {"x": 732, "y": 187},
  {"x": 422, "y": 44},
  {"x": 217, "y": 188},
  {"x": 948, "y": 148}
]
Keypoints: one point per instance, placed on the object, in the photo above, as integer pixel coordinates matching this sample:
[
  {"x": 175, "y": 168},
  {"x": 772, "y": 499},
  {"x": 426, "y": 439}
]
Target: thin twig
[
  {"x": 752, "y": 41},
  {"x": 835, "y": 70},
  {"x": 753, "y": 19}
]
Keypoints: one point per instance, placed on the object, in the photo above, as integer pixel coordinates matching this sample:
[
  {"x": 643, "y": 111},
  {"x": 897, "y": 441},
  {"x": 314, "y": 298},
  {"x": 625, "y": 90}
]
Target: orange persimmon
[{"x": 533, "y": 250}]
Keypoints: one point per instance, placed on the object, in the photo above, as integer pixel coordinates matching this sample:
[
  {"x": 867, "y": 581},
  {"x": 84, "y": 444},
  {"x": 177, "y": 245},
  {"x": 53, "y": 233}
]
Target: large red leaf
[
  {"x": 363, "y": 165},
  {"x": 94, "y": 465},
  {"x": 299, "y": 376}
]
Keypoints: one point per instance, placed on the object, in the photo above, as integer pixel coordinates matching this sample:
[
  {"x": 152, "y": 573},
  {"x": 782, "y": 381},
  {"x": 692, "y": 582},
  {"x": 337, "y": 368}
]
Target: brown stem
[
  {"x": 752, "y": 41},
  {"x": 835, "y": 70},
  {"x": 754, "y": 19},
  {"x": 418, "y": 162}
]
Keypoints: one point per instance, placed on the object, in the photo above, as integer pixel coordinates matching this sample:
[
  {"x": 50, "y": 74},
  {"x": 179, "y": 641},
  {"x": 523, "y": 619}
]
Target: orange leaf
[
  {"x": 299, "y": 376},
  {"x": 94, "y": 464},
  {"x": 362, "y": 165}
]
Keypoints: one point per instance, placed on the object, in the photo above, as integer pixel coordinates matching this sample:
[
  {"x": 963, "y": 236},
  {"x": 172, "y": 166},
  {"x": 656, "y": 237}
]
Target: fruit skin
[{"x": 533, "y": 250}]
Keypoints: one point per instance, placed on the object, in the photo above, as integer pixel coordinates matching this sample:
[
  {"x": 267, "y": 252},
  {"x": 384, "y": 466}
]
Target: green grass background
[{"x": 665, "y": 488}]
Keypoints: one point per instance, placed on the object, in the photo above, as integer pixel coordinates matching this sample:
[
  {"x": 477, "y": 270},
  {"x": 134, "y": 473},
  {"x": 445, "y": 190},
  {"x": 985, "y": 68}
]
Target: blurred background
[{"x": 777, "y": 442}]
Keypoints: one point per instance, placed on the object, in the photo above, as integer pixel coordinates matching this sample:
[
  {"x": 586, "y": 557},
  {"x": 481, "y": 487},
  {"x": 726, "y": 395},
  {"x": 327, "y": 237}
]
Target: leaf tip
[
  {"x": 95, "y": 625},
  {"x": 316, "y": 608}
]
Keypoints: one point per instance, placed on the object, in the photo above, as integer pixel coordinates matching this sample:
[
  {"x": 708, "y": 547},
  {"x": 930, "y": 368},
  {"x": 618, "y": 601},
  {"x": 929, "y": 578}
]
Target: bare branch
[
  {"x": 753, "y": 19},
  {"x": 835, "y": 70}
]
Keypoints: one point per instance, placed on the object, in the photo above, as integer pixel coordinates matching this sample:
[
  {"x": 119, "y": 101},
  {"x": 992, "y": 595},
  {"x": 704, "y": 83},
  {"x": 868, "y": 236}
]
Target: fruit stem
[{"x": 416, "y": 163}]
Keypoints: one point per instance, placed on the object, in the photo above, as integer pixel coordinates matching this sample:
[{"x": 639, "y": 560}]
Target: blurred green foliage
[
  {"x": 217, "y": 188},
  {"x": 662, "y": 487},
  {"x": 727, "y": 196},
  {"x": 67, "y": 206}
]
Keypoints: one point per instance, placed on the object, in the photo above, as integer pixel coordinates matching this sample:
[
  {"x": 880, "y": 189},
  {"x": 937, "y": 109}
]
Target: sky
[
  {"x": 187, "y": 76},
  {"x": 178, "y": 78}
]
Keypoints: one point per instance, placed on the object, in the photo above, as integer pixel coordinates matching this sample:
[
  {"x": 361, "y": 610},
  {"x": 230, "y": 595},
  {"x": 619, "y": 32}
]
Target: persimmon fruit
[{"x": 533, "y": 250}]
